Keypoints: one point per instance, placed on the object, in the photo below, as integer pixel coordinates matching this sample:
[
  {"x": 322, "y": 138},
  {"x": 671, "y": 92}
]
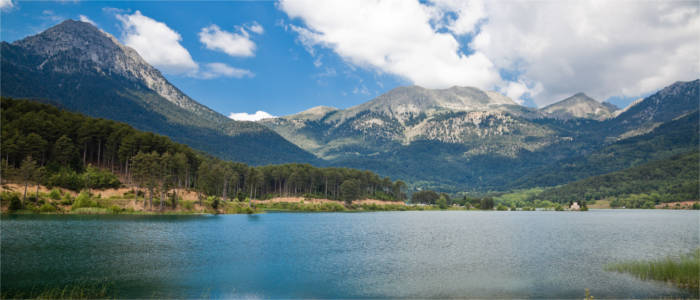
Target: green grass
[
  {"x": 80, "y": 290},
  {"x": 684, "y": 271}
]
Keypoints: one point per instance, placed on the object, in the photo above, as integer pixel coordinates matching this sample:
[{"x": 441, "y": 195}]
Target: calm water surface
[{"x": 330, "y": 255}]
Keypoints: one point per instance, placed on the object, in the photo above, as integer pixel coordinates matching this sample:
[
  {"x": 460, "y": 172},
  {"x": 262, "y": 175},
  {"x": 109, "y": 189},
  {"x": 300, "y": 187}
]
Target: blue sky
[{"x": 282, "y": 58}]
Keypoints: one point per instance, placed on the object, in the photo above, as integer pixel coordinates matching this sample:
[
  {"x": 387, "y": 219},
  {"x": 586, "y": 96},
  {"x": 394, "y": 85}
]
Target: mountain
[
  {"x": 665, "y": 105},
  {"x": 81, "y": 68},
  {"x": 580, "y": 106},
  {"x": 459, "y": 115},
  {"x": 463, "y": 138},
  {"x": 680, "y": 135}
]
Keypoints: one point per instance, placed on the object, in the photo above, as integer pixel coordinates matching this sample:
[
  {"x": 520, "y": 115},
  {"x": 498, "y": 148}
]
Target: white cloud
[
  {"x": 84, "y": 18},
  {"x": 215, "y": 70},
  {"x": 602, "y": 48},
  {"x": 156, "y": 43},
  {"x": 6, "y": 5},
  {"x": 257, "y": 28},
  {"x": 458, "y": 16},
  {"x": 395, "y": 37},
  {"x": 233, "y": 44},
  {"x": 553, "y": 48},
  {"x": 258, "y": 115}
]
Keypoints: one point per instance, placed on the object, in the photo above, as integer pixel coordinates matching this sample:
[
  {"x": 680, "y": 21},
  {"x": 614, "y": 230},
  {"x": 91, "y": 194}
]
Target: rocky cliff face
[{"x": 92, "y": 49}]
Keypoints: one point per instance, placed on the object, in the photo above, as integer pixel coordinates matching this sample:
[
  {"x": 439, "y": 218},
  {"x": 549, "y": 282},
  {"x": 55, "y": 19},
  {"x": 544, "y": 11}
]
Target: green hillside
[{"x": 666, "y": 180}]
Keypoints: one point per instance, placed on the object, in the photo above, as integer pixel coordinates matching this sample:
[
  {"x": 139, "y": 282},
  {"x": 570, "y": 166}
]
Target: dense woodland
[
  {"x": 668, "y": 180},
  {"x": 54, "y": 147}
]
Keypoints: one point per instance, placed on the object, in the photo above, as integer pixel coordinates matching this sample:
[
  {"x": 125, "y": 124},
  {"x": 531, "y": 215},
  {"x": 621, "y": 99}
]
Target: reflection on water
[{"x": 326, "y": 255}]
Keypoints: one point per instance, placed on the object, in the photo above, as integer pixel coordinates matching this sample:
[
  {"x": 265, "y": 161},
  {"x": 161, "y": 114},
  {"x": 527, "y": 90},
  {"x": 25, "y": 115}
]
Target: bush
[
  {"x": 115, "y": 209},
  {"x": 55, "y": 194},
  {"x": 83, "y": 200},
  {"x": 100, "y": 179},
  {"x": 188, "y": 205},
  {"x": 66, "y": 199},
  {"x": 558, "y": 207},
  {"x": 47, "y": 208},
  {"x": 13, "y": 199},
  {"x": 66, "y": 178},
  {"x": 696, "y": 205},
  {"x": 501, "y": 207}
]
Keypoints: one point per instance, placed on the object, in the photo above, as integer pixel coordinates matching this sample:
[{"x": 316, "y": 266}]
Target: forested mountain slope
[{"x": 665, "y": 180}]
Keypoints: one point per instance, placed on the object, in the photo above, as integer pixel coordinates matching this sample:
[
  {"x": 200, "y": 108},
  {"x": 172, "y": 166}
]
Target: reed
[{"x": 683, "y": 271}]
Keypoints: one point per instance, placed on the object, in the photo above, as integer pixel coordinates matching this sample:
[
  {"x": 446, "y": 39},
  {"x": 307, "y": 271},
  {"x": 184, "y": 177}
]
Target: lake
[{"x": 416, "y": 254}]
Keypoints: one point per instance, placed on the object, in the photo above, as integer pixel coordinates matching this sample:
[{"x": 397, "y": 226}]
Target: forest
[{"x": 43, "y": 144}]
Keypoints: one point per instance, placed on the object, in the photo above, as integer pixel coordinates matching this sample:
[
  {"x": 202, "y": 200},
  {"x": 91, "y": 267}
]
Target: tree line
[{"x": 74, "y": 151}]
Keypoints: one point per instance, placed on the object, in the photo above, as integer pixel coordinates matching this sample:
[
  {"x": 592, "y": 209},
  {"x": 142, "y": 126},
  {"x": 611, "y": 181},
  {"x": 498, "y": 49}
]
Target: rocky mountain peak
[
  {"x": 579, "y": 105},
  {"x": 80, "y": 47}
]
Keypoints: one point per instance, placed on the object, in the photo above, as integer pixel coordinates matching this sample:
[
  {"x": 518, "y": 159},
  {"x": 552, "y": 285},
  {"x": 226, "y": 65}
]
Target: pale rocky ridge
[
  {"x": 458, "y": 115},
  {"x": 580, "y": 106},
  {"x": 104, "y": 54}
]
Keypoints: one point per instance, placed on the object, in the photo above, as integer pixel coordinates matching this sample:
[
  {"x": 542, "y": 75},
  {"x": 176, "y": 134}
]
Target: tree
[
  {"x": 146, "y": 172},
  {"x": 35, "y": 146},
  {"x": 28, "y": 171},
  {"x": 442, "y": 202},
  {"x": 398, "y": 186},
  {"x": 63, "y": 150},
  {"x": 350, "y": 190},
  {"x": 486, "y": 203},
  {"x": 425, "y": 197}
]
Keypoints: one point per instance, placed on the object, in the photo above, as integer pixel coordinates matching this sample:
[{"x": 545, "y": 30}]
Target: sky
[{"x": 250, "y": 60}]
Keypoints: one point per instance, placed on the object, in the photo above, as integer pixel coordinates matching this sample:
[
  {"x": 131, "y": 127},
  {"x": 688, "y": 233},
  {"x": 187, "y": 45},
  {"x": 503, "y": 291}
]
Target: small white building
[{"x": 575, "y": 206}]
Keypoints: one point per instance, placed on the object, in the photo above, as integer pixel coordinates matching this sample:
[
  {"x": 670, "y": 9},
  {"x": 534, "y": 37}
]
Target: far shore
[{"x": 128, "y": 200}]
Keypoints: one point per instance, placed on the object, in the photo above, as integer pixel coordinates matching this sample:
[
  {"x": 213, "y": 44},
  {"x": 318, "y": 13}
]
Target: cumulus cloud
[
  {"x": 256, "y": 28},
  {"x": 258, "y": 115},
  {"x": 157, "y": 43},
  {"x": 397, "y": 37},
  {"x": 551, "y": 49},
  {"x": 233, "y": 44},
  {"x": 6, "y": 5},
  {"x": 458, "y": 16},
  {"x": 214, "y": 70},
  {"x": 84, "y": 18},
  {"x": 603, "y": 48}
]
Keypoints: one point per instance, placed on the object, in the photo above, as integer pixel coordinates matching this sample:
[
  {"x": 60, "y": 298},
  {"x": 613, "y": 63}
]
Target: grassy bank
[
  {"x": 683, "y": 271},
  {"x": 57, "y": 201}
]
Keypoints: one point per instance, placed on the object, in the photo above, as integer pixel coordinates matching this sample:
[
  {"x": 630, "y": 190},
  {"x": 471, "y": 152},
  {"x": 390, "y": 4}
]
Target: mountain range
[{"x": 454, "y": 139}]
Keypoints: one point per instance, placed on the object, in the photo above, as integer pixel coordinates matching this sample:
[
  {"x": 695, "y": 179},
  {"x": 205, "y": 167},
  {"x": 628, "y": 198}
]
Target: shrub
[
  {"x": 67, "y": 199},
  {"x": 47, "y": 208},
  {"x": 83, "y": 200},
  {"x": 188, "y": 205},
  {"x": 100, "y": 179},
  {"x": 501, "y": 207},
  {"x": 696, "y": 205},
  {"x": 13, "y": 199},
  {"x": 115, "y": 209},
  {"x": 66, "y": 178},
  {"x": 55, "y": 194}
]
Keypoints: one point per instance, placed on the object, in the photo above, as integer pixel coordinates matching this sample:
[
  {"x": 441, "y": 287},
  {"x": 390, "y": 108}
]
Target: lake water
[{"x": 330, "y": 255}]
